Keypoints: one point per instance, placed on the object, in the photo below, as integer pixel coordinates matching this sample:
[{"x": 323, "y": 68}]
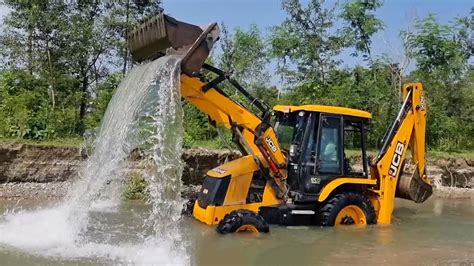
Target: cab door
[
  {"x": 327, "y": 146},
  {"x": 322, "y": 159},
  {"x": 330, "y": 148}
]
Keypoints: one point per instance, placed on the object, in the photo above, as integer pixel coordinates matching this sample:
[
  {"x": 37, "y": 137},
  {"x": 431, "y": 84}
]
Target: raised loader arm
[
  {"x": 407, "y": 132},
  {"x": 254, "y": 134},
  {"x": 163, "y": 35}
]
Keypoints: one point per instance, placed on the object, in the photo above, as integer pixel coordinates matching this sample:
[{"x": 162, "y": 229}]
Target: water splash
[{"x": 144, "y": 112}]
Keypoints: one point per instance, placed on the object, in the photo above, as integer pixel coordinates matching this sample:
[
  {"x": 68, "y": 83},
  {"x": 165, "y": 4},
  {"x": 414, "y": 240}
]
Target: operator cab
[{"x": 322, "y": 143}]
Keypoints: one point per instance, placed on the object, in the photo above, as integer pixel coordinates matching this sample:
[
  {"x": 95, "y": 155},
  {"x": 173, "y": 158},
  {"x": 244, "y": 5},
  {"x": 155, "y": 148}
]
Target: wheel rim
[
  {"x": 351, "y": 215},
  {"x": 247, "y": 228}
]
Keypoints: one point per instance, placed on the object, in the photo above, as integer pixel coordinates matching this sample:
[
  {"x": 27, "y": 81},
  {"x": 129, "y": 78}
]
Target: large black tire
[
  {"x": 346, "y": 202},
  {"x": 242, "y": 220}
]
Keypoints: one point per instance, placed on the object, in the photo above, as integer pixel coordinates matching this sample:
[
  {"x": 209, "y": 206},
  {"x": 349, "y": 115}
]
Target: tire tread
[
  {"x": 232, "y": 221},
  {"x": 327, "y": 214}
]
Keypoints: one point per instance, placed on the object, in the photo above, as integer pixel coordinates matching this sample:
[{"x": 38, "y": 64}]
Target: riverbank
[
  {"x": 57, "y": 190},
  {"x": 23, "y": 163},
  {"x": 34, "y": 191},
  {"x": 33, "y": 171}
]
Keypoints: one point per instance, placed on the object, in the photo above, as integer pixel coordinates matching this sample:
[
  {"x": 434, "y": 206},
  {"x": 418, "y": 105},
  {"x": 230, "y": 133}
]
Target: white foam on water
[
  {"x": 38, "y": 230},
  {"x": 144, "y": 112}
]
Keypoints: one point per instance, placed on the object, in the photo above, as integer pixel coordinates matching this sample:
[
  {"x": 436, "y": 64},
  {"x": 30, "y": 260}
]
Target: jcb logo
[
  {"x": 422, "y": 102},
  {"x": 396, "y": 159},
  {"x": 270, "y": 143}
]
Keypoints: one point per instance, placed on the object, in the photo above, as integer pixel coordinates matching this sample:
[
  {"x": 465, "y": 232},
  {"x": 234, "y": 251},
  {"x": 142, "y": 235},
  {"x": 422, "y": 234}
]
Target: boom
[
  {"x": 162, "y": 35},
  {"x": 254, "y": 135}
]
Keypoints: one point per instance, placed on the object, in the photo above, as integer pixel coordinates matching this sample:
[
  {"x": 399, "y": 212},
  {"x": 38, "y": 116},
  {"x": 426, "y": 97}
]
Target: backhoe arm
[{"x": 407, "y": 132}]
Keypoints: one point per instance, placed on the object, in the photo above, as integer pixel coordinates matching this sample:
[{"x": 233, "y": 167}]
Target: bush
[{"x": 135, "y": 187}]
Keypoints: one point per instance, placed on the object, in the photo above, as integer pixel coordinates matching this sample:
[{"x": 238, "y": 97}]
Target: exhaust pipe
[{"x": 162, "y": 35}]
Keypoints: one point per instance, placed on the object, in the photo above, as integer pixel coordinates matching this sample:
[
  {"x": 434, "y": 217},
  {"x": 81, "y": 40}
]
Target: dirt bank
[
  {"x": 36, "y": 171},
  {"x": 22, "y": 163}
]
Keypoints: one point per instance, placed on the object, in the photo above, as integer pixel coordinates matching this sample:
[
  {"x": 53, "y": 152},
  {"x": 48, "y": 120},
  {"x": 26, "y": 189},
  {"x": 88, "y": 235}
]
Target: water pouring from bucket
[{"x": 145, "y": 112}]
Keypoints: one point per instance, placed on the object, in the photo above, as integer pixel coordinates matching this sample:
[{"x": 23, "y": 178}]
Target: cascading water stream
[{"x": 145, "y": 112}]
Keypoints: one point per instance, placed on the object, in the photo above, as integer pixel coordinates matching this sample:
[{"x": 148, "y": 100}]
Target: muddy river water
[{"x": 440, "y": 231}]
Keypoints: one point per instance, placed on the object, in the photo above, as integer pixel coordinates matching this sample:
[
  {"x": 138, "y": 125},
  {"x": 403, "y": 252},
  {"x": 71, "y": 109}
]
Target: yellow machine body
[
  {"x": 381, "y": 185},
  {"x": 259, "y": 181},
  {"x": 323, "y": 109},
  {"x": 241, "y": 171}
]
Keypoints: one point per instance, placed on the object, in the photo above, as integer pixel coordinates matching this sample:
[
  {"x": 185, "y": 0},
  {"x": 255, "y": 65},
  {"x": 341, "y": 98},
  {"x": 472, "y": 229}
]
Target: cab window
[
  {"x": 285, "y": 134},
  {"x": 290, "y": 128},
  {"x": 330, "y": 146},
  {"x": 354, "y": 150}
]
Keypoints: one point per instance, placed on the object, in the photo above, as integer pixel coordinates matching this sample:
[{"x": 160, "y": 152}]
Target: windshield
[
  {"x": 285, "y": 134},
  {"x": 289, "y": 128}
]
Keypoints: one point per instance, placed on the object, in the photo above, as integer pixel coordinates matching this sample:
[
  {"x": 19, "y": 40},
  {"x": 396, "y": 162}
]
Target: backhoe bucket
[
  {"x": 162, "y": 34},
  {"x": 412, "y": 187}
]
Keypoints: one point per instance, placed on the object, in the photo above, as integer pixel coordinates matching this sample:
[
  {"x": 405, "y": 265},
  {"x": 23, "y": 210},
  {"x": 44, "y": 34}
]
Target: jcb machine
[{"x": 294, "y": 167}]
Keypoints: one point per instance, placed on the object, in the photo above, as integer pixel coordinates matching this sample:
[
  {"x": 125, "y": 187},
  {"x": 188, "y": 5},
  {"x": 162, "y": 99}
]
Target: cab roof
[{"x": 323, "y": 109}]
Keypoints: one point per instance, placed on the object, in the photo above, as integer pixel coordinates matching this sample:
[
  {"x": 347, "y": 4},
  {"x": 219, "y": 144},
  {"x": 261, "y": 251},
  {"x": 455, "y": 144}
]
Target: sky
[
  {"x": 3, "y": 11},
  {"x": 397, "y": 15}
]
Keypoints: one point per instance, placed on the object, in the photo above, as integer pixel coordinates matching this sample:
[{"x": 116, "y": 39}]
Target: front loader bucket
[{"x": 162, "y": 34}]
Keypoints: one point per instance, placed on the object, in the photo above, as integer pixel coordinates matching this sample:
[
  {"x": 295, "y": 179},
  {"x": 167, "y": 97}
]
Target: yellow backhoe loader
[{"x": 294, "y": 167}]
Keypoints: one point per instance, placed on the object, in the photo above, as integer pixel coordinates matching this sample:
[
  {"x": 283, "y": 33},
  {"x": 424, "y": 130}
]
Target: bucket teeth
[
  {"x": 147, "y": 40},
  {"x": 163, "y": 34}
]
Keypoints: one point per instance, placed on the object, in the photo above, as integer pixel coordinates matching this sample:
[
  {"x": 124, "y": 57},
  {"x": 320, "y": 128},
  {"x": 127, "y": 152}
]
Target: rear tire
[
  {"x": 347, "y": 208},
  {"x": 242, "y": 221}
]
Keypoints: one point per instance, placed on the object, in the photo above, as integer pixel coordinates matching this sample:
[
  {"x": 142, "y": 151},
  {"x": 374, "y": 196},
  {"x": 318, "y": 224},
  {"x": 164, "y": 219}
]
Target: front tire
[
  {"x": 348, "y": 208},
  {"x": 242, "y": 221}
]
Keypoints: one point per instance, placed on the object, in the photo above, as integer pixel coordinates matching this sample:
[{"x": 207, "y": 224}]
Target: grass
[
  {"x": 62, "y": 142},
  {"x": 217, "y": 145},
  {"x": 355, "y": 153},
  {"x": 430, "y": 155},
  {"x": 135, "y": 187},
  {"x": 207, "y": 144},
  {"x": 433, "y": 154}
]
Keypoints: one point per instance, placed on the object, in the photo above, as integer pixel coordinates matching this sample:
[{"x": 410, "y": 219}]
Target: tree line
[{"x": 61, "y": 62}]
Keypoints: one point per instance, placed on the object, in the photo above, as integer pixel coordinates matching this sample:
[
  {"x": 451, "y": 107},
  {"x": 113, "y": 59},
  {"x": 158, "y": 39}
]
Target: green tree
[
  {"x": 362, "y": 23},
  {"x": 437, "y": 48},
  {"x": 244, "y": 56},
  {"x": 34, "y": 41},
  {"x": 120, "y": 18},
  {"x": 89, "y": 44},
  {"x": 442, "y": 60},
  {"x": 305, "y": 44},
  {"x": 34, "y": 37},
  {"x": 71, "y": 47}
]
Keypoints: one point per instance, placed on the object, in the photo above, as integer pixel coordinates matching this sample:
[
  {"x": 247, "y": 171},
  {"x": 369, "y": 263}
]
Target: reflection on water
[{"x": 437, "y": 232}]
